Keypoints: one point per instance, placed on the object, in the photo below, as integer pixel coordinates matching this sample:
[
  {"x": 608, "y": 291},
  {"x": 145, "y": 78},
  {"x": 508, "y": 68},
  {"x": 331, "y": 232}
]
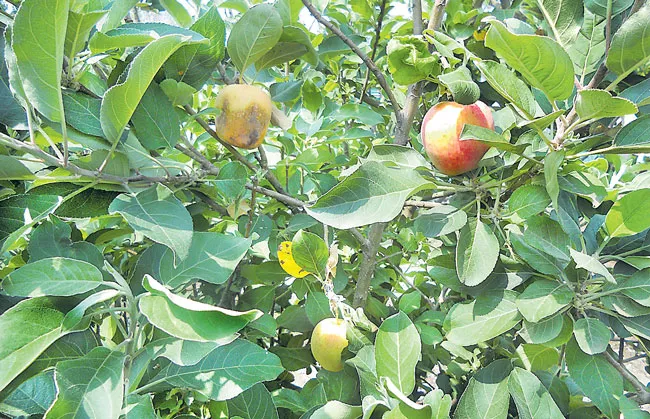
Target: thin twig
[
  {"x": 268, "y": 175},
  {"x": 380, "y": 19},
  {"x": 422, "y": 204},
  {"x": 285, "y": 199},
  {"x": 357, "y": 235},
  {"x": 369, "y": 63}
]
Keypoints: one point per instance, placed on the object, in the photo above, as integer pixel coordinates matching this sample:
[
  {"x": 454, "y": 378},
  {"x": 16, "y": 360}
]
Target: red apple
[{"x": 441, "y": 129}]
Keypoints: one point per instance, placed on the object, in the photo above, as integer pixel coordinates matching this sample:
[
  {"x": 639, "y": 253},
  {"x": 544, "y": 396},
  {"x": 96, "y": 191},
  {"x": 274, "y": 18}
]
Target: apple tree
[{"x": 189, "y": 187}]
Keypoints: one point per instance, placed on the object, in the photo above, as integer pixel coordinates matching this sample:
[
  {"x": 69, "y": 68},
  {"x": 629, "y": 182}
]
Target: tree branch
[
  {"x": 367, "y": 266},
  {"x": 643, "y": 396},
  {"x": 402, "y": 131},
  {"x": 369, "y": 63},
  {"x": 107, "y": 178}
]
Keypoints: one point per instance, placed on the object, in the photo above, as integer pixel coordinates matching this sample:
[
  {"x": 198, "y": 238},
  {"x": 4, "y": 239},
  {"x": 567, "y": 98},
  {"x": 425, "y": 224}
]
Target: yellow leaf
[{"x": 288, "y": 263}]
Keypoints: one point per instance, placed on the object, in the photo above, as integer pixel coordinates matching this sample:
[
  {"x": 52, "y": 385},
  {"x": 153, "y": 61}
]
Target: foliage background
[{"x": 139, "y": 263}]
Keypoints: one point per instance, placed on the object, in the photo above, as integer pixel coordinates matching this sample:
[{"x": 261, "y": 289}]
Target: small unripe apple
[
  {"x": 441, "y": 130},
  {"x": 327, "y": 343},
  {"x": 245, "y": 115}
]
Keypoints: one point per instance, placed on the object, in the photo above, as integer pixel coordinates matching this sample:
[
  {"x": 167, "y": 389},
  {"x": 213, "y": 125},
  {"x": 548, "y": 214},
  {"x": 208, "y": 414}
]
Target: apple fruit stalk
[{"x": 441, "y": 130}]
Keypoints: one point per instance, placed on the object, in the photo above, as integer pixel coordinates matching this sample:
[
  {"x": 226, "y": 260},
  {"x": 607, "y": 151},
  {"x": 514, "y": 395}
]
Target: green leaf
[
  {"x": 596, "y": 378},
  {"x": 630, "y": 47},
  {"x": 397, "y": 155},
  {"x": 639, "y": 93},
  {"x": 563, "y": 17},
  {"x": 91, "y": 386},
  {"x": 597, "y": 104},
  {"x": 38, "y": 44},
  {"x": 508, "y": 85},
  {"x": 538, "y": 260},
  {"x": 629, "y": 215},
  {"x": 537, "y": 357},
  {"x": 157, "y": 214},
  {"x": 486, "y": 395},
  {"x": 12, "y": 113},
  {"x": 374, "y": 193},
  {"x": 122, "y": 37},
  {"x": 78, "y": 30},
  {"x": 637, "y": 325},
  {"x": 28, "y": 328},
  {"x": 587, "y": 50},
  {"x": 440, "y": 221},
  {"x": 12, "y": 169},
  {"x": 358, "y": 112},
  {"x": 182, "y": 352},
  {"x": 177, "y": 11},
  {"x": 310, "y": 253},
  {"x": 178, "y": 92},
  {"x": 231, "y": 180},
  {"x": 312, "y": 98},
  {"x": 531, "y": 397},
  {"x": 82, "y": 113},
  {"x": 54, "y": 276},
  {"x": 317, "y": 307},
  {"x": 637, "y": 287},
  {"x": 546, "y": 235},
  {"x": 194, "y": 64},
  {"x": 542, "y": 331},
  {"x": 476, "y": 254},
  {"x": 543, "y": 298},
  {"x": 155, "y": 122},
  {"x": 405, "y": 408},
  {"x": 336, "y": 409},
  {"x": 289, "y": 10},
  {"x": 254, "y": 34},
  {"x": 490, "y": 315},
  {"x": 52, "y": 238},
  {"x": 491, "y": 138},
  {"x": 552, "y": 164},
  {"x": 633, "y": 137},
  {"x": 188, "y": 319},
  {"x": 592, "y": 335},
  {"x": 223, "y": 374},
  {"x": 293, "y": 44},
  {"x": 116, "y": 13},
  {"x": 459, "y": 82},
  {"x": 32, "y": 397},
  {"x": 542, "y": 62},
  {"x": 254, "y": 403},
  {"x": 591, "y": 264},
  {"x": 18, "y": 213},
  {"x": 138, "y": 407},
  {"x": 212, "y": 258},
  {"x": 121, "y": 100},
  {"x": 74, "y": 317},
  {"x": 397, "y": 351},
  {"x": 528, "y": 200},
  {"x": 599, "y": 7},
  {"x": 409, "y": 59}
]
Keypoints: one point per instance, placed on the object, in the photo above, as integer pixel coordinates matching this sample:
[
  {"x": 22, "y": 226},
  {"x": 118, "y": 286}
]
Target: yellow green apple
[{"x": 327, "y": 343}]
